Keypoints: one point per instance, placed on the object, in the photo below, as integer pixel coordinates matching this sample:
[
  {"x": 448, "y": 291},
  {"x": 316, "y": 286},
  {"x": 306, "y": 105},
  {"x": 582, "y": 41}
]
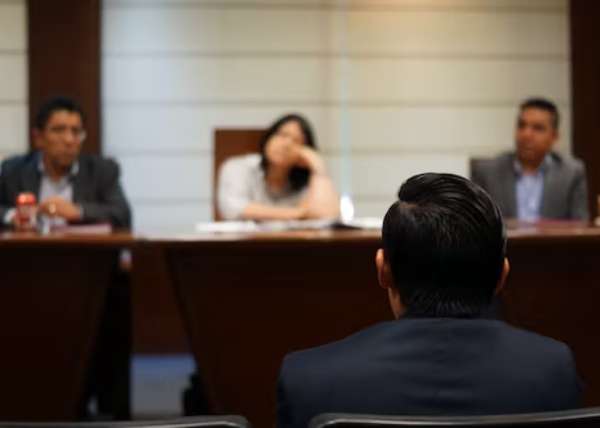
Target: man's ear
[
  {"x": 503, "y": 277},
  {"x": 386, "y": 281},
  {"x": 384, "y": 274}
]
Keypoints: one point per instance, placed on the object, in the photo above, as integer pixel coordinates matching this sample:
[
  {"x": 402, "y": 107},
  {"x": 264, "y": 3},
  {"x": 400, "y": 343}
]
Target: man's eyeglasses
[{"x": 78, "y": 133}]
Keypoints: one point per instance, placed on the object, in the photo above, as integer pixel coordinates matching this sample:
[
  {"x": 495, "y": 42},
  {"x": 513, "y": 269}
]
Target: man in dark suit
[
  {"x": 70, "y": 187},
  {"x": 535, "y": 183},
  {"x": 442, "y": 262},
  {"x": 74, "y": 188}
]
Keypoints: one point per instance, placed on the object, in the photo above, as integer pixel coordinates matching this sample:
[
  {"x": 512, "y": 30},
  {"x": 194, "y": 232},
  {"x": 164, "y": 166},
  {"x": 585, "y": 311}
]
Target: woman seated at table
[{"x": 287, "y": 180}]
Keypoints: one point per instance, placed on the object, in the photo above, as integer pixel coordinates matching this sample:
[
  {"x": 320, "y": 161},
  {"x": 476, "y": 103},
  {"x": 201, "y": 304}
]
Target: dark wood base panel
[
  {"x": 51, "y": 298},
  {"x": 554, "y": 289}
]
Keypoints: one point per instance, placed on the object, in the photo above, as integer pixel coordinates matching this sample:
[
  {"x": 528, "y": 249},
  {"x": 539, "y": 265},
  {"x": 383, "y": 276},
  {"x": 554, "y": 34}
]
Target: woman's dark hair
[
  {"x": 298, "y": 177},
  {"x": 445, "y": 243}
]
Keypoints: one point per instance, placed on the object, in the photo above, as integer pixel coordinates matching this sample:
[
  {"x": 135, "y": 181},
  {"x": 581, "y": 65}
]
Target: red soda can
[{"x": 25, "y": 209}]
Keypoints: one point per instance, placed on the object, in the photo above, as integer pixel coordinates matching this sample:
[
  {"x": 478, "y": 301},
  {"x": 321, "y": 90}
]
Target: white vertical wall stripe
[{"x": 13, "y": 77}]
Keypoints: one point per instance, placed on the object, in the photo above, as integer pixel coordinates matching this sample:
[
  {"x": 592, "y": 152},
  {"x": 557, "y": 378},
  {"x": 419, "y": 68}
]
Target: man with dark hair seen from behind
[
  {"x": 442, "y": 262},
  {"x": 73, "y": 188},
  {"x": 534, "y": 182}
]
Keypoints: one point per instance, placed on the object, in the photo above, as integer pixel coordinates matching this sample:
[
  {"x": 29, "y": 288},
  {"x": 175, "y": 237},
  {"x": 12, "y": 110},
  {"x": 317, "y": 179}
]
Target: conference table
[{"x": 244, "y": 300}]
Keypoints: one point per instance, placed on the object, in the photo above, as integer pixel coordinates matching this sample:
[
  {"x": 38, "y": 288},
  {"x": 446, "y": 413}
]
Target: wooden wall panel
[
  {"x": 64, "y": 57},
  {"x": 585, "y": 80}
]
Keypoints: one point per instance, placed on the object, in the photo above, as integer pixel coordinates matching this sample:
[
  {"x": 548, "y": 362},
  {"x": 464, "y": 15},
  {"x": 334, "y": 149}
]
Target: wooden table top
[{"x": 546, "y": 231}]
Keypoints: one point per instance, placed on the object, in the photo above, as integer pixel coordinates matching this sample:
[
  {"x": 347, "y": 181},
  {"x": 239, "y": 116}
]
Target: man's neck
[
  {"x": 530, "y": 167},
  {"x": 53, "y": 171}
]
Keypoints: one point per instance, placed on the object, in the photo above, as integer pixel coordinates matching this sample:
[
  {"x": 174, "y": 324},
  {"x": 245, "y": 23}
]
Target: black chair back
[
  {"x": 580, "y": 418},
  {"x": 190, "y": 422}
]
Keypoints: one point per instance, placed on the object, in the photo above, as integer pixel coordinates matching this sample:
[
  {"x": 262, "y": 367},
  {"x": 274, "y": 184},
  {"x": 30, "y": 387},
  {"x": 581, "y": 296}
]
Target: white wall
[
  {"x": 416, "y": 85},
  {"x": 13, "y": 77}
]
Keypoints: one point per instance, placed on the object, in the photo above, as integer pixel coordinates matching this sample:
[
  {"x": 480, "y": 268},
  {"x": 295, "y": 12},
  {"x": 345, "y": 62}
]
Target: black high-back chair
[
  {"x": 581, "y": 418},
  {"x": 190, "y": 422}
]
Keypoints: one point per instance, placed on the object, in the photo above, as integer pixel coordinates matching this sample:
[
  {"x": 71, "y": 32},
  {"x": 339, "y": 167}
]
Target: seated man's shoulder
[
  {"x": 492, "y": 166},
  {"x": 569, "y": 163},
  {"x": 501, "y": 160},
  {"x": 512, "y": 343},
  {"x": 340, "y": 347},
  {"x": 540, "y": 362},
  {"x": 507, "y": 368},
  {"x": 342, "y": 356},
  {"x": 16, "y": 163},
  {"x": 538, "y": 357},
  {"x": 531, "y": 340},
  {"x": 98, "y": 163}
]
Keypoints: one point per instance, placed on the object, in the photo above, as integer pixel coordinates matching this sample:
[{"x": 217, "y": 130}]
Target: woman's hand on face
[
  {"x": 284, "y": 152},
  {"x": 308, "y": 158}
]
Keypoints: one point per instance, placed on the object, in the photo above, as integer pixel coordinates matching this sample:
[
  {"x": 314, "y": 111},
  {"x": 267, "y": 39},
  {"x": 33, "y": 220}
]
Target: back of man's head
[
  {"x": 54, "y": 104},
  {"x": 444, "y": 242}
]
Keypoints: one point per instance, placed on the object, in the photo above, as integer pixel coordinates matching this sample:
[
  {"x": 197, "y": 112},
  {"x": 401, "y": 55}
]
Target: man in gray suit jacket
[
  {"x": 534, "y": 182},
  {"x": 70, "y": 187}
]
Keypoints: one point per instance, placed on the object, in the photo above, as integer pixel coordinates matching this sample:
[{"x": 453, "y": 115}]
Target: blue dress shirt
[{"x": 529, "y": 191}]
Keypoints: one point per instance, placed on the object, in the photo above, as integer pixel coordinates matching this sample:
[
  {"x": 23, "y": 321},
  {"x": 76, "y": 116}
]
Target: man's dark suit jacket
[
  {"x": 565, "y": 187},
  {"x": 96, "y": 187},
  {"x": 429, "y": 366}
]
